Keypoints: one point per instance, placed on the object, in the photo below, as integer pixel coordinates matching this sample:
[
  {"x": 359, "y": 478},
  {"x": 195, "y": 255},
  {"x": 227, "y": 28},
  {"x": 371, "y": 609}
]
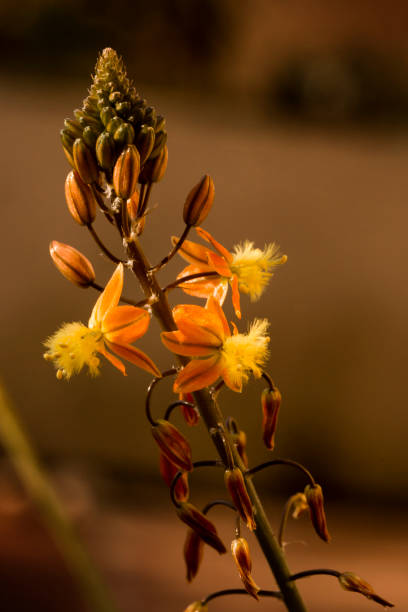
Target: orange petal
[
  {"x": 135, "y": 356},
  {"x": 114, "y": 360},
  {"x": 194, "y": 253},
  {"x": 221, "y": 250},
  {"x": 214, "y": 306},
  {"x": 178, "y": 343},
  {"x": 219, "y": 264},
  {"x": 236, "y": 300},
  {"x": 201, "y": 288},
  {"x": 230, "y": 382},
  {"x": 199, "y": 325},
  {"x": 198, "y": 374},
  {"x": 125, "y": 324},
  {"x": 109, "y": 297}
]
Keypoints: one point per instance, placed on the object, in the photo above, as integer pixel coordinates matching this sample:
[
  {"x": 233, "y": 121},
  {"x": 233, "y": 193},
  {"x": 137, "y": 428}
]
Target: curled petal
[
  {"x": 219, "y": 264},
  {"x": 236, "y": 300},
  {"x": 198, "y": 374},
  {"x": 199, "y": 324},
  {"x": 109, "y": 297},
  {"x": 221, "y": 250},
  {"x": 114, "y": 360},
  {"x": 125, "y": 324},
  {"x": 135, "y": 356},
  {"x": 178, "y": 343},
  {"x": 194, "y": 253}
]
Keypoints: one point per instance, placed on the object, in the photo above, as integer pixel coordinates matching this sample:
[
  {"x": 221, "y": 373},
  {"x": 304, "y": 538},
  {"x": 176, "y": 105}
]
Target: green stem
[{"x": 50, "y": 509}]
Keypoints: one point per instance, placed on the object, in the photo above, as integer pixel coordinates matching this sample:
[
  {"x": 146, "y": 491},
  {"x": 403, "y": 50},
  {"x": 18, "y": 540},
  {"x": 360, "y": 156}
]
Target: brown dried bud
[
  {"x": 239, "y": 438},
  {"x": 84, "y": 162},
  {"x": 241, "y": 556},
  {"x": 72, "y": 264},
  {"x": 352, "y": 582},
  {"x": 193, "y": 553},
  {"x": 314, "y": 498},
  {"x": 198, "y": 522},
  {"x": 80, "y": 199},
  {"x": 196, "y": 606},
  {"x": 154, "y": 169},
  {"x": 199, "y": 201},
  {"x": 235, "y": 482},
  {"x": 190, "y": 413},
  {"x": 126, "y": 172},
  {"x": 271, "y": 401},
  {"x": 168, "y": 471},
  {"x": 173, "y": 444}
]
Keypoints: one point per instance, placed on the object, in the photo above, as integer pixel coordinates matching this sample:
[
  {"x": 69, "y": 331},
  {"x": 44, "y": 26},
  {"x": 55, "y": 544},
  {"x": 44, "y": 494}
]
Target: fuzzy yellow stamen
[
  {"x": 72, "y": 347},
  {"x": 253, "y": 267},
  {"x": 246, "y": 353}
]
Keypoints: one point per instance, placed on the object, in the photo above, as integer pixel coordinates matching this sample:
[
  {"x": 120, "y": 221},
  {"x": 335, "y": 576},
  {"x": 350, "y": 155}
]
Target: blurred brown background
[{"x": 299, "y": 111}]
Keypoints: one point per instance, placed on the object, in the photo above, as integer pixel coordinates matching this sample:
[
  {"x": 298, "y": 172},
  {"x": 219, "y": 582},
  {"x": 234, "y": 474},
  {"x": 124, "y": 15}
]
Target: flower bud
[
  {"x": 239, "y": 438},
  {"x": 271, "y": 401},
  {"x": 73, "y": 127},
  {"x": 242, "y": 558},
  {"x": 193, "y": 553},
  {"x": 168, "y": 471},
  {"x": 235, "y": 482},
  {"x": 160, "y": 140},
  {"x": 198, "y": 522},
  {"x": 106, "y": 114},
  {"x": 173, "y": 445},
  {"x": 126, "y": 172},
  {"x": 67, "y": 145},
  {"x": 154, "y": 169},
  {"x": 196, "y": 606},
  {"x": 190, "y": 413},
  {"x": 314, "y": 498},
  {"x": 199, "y": 201},
  {"x": 351, "y": 582},
  {"x": 90, "y": 136},
  {"x": 84, "y": 162},
  {"x": 105, "y": 151},
  {"x": 72, "y": 264},
  {"x": 145, "y": 142},
  {"x": 132, "y": 207},
  {"x": 125, "y": 134},
  {"x": 80, "y": 199}
]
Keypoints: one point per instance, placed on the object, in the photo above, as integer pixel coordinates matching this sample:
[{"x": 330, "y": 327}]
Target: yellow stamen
[
  {"x": 253, "y": 267},
  {"x": 246, "y": 353},
  {"x": 77, "y": 346}
]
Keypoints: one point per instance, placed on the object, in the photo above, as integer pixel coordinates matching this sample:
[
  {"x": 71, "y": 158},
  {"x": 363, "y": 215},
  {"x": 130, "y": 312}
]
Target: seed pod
[
  {"x": 168, "y": 471},
  {"x": 271, "y": 401},
  {"x": 126, "y": 172},
  {"x": 145, "y": 142},
  {"x": 196, "y": 606},
  {"x": 235, "y": 483},
  {"x": 173, "y": 444},
  {"x": 125, "y": 134},
  {"x": 314, "y": 498},
  {"x": 80, "y": 199},
  {"x": 193, "y": 553},
  {"x": 199, "y": 202},
  {"x": 242, "y": 558},
  {"x": 351, "y": 582},
  {"x": 74, "y": 266},
  {"x": 105, "y": 151},
  {"x": 199, "y": 523},
  {"x": 154, "y": 169},
  {"x": 84, "y": 162}
]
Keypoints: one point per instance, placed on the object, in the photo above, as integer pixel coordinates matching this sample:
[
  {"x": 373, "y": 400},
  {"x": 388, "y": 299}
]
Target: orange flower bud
[
  {"x": 199, "y": 523},
  {"x": 168, "y": 471},
  {"x": 352, "y": 582},
  {"x": 235, "y": 482},
  {"x": 80, "y": 199},
  {"x": 154, "y": 169},
  {"x": 199, "y": 201},
  {"x": 271, "y": 401},
  {"x": 84, "y": 162},
  {"x": 241, "y": 556},
  {"x": 197, "y": 606},
  {"x": 132, "y": 206},
  {"x": 173, "y": 444},
  {"x": 193, "y": 553},
  {"x": 314, "y": 498},
  {"x": 72, "y": 264},
  {"x": 126, "y": 172},
  {"x": 190, "y": 413}
]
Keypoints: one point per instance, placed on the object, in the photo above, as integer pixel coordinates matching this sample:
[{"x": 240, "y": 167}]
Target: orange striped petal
[
  {"x": 114, "y": 360},
  {"x": 198, "y": 324},
  {"x": 220, "y": 292},
  {"x": 221, "y": 250},
  {"x": 214, "y": 306},
  {"x": 194, "y": 253},
  {"x": 236, "y": 299},
  {"x": 198, "y": 288},
  {"x": 135, "y": 356},
  {"x": 178, "y": 343},
  {"x": 109, "y": 297},
  {"x": 198, "y": 374},
  {"x": 125, "y": 324},
  {"x": 219, "y": 264}
]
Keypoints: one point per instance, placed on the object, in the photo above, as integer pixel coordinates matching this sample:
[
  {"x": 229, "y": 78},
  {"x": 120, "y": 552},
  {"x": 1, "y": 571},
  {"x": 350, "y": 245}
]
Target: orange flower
[
  {"x": 110, "y": 326},
  {"x": 204, "y": 334},
  {"x": 246, "y": 269}
]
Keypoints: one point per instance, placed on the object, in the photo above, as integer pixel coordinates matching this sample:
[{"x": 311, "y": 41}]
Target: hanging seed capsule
[
  {"x": 159, "y": 142},
  {"x": 114, "y": 124},
  {"x": 168, "y": 471},
  {"x": 89, "y": 137},
  {"x": 74, "y": 266},
  {"x": 242, "y": 558},
  {"x": 173, "y": 444},
  {"x": 84, "y": 161},
  {"x": 193, "y": 553},
  {"x": 314, "y": 498},
  {"x": 73, "y": 127},
  {"x": 144, "y": 142},
  {"x": 199, "y": 523},
  {"x": 126, "y": 172},
  {"x": 154, "y": 169},
  {"x": 105, "y": 151},
  {"x": 271, "y": 401},
  {"x": 351, "y": 582},
  {"x": 199, "y": 202},
  {"x": 124, "y": 135},
  {"x": 80, "y": 199},
  {"x": 107, "y": 114},
  {"x": 235, "y": 483}
]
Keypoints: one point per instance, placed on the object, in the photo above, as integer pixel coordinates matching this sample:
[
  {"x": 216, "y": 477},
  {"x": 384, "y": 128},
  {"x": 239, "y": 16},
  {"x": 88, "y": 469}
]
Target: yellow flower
[
  {"x": 111, "y": 326},
  {"x": 204, "y": 334},
  {"x": 246, "y": 269}
]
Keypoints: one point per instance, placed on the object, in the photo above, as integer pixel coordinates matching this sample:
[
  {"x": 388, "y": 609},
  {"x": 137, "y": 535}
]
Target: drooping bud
[
  {"x": 80, "y": 199},
  {"x": 198, "y": 522},
  {"x": 242, "y": 558},
  {"x": 145, "y": 142},
  {"x": 105, "y": 150},
  {"x": 84, "y": 162},
  {"x": 72, "y": 264},
  {"x": 168, "y": 471},
  {"x": 154, "y": 169},
  {"x": 239, "y": 438},
  {"x": 199, "y": 201},
  {"x": 126, "y": 172},
  {"x": 314, "y": 498},
  {"x": 271, "y": 401},
  {"x": 193, "y": 553},
  {"x": 235, "y": 483},
  {"x": 196, "y": 606},
  {"x": 351, "y": 582},
  {"x": 190, "y": 413},
  {"x": 173, "y": 444}
]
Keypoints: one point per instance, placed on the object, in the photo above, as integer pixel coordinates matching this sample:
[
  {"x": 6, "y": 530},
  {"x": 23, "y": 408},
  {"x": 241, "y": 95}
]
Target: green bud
[
  {"x": 105, "y": 151},
  {"x": 89, "y": 137},
  {"x": 114, "y": 124},
  {"x": 84, "y": 162},
  {"x": 159, "y": 142},
  {"x": 123, "y": 108},
  {"x": 73, "y": 128},
  {"x": 115, "y": 96},
  {"x": 125, "y": 134},
  {"x": 106, "y": 114},
  {"x": 145, "y": 142},
  {"x": 126, "y": 172}
]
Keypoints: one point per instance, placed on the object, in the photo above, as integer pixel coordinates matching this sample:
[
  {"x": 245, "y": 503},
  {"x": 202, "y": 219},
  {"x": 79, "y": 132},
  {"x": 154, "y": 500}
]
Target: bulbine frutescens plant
[{"x": 116, "y": 146}]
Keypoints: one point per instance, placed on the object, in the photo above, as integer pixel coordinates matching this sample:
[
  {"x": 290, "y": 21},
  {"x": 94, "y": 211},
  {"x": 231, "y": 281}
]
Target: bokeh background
[{"x": 299, "y": 111}]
